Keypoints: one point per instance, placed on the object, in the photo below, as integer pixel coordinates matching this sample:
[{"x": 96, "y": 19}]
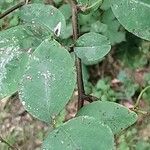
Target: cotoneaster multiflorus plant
[{"x": 41, "y": 59}]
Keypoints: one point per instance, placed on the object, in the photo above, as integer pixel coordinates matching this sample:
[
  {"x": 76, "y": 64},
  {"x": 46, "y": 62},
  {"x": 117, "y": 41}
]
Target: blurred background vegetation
[{"x": 120, "y": 77}]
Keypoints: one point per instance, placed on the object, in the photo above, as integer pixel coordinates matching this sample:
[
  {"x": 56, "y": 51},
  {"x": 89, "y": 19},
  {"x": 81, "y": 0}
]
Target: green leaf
[
  {"x": 12, "y": 66},
  {"x": 99, "y": 27},
  {"x": 15, "y": 46},
  {"x": 66, "y": 11},
  {"x": 84, "y": 133},
  {"x": 57, "y": 2},
  {"x": 132, "y": 15},
  {"x": 25, "y": 36},
  {"x": 106, "y": 4},
  {"x": 113, "y": 32},
  {"x": 85, "y": 20},
  {"x": 45, "y": 15},
  {"x": 89, "y": 5},
  {"x": 92, "y": 47},
  {"x": 48, "y": 82},
  {"x": 116, "y": 116},
  {"x": 129, "y": 86},
  {"x": 68, "y": 32}
]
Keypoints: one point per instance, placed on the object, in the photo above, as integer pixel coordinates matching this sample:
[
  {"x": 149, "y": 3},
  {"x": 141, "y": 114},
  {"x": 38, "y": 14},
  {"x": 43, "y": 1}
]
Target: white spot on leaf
[{"x": 57, "y": 29}]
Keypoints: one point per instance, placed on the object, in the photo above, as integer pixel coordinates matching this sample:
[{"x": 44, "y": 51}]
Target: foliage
[
  {"x": 104, "y": 112},
  {"x": 92, "y": 47},
  {"x": 44, "y": 75},
  {"x": 133, "y": 140},
  {"x": 131, "y": 19},
  {"x": 35, "y": 61},
  {"x": 103, "y": 91},
  {"x": 65, "y": 136},
  {"x": 132, "y": 50}
]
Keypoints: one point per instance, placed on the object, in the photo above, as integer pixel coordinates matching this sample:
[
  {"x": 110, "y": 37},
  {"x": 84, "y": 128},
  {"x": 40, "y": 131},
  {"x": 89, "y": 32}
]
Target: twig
[
  {"x": 9, "y": 145},
  {"x": 89, "y": 98},
  {"x": 139, "y": 97},
  {"x": 23, "y": 113},
  {"x": 13, "y": 8},
  {"x": 78, "y": 60}
]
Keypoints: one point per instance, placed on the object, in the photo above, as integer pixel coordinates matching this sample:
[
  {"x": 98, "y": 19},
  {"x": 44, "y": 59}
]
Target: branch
[
  {"x": 80, "y": 84},
  {"x": 13, "y": 8},
  {"x": 10, "y": 146}
]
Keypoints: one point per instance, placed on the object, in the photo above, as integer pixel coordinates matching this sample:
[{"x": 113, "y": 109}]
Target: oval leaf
[
  {"x": 92, "y": 47},
  {"x": 132, "y": 15},
  {"x": 15, "y": 45},
  {"x": 84, "y": 133},
  {"x": 46, "y": 15},
  {"x": 116, "y": 116},
  {"x": 49, "y": 81}
]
